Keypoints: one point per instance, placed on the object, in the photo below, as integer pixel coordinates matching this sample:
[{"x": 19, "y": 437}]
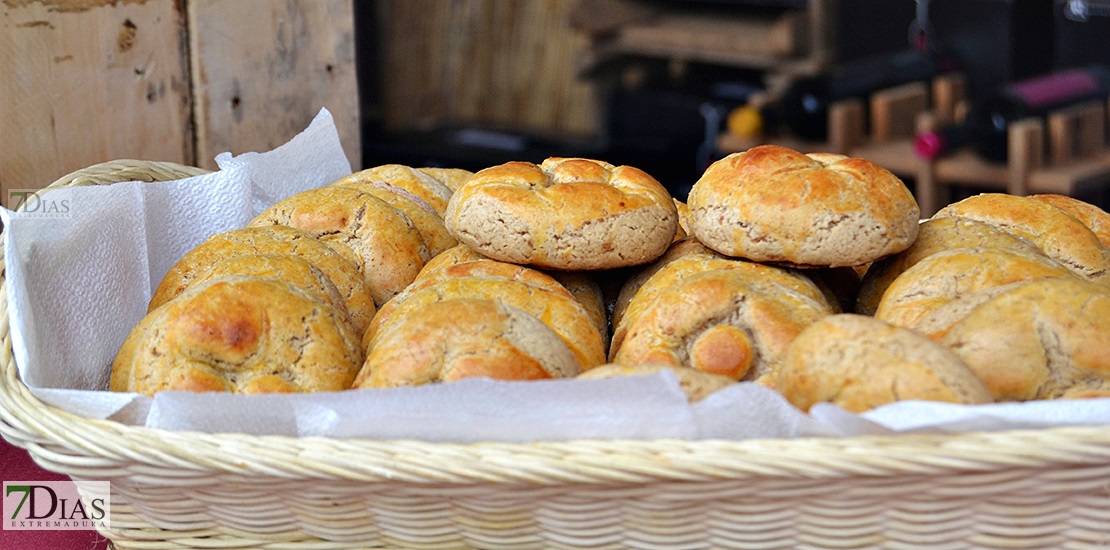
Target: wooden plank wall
[
  {"x": 86, "y": 81},
  {"x": 495, "y": 63},
  {"x": 262, "y": 69}
]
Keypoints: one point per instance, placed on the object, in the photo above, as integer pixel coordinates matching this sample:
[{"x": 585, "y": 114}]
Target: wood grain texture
[
  {"x": 495, "y": 63},
  {"x": 88, "y": 82},
  {"x": 263, "y": 69}
]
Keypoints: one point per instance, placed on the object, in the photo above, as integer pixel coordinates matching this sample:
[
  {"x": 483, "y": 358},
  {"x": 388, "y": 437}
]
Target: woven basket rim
[{"x": 82, "y": 447}]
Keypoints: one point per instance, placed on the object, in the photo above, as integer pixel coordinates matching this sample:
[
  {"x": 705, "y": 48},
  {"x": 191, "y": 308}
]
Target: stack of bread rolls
[{"x": 810, "y": 274}]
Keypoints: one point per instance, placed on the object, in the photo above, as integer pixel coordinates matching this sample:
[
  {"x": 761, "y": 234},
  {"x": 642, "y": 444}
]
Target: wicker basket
[{"x": 1019, "y": 489}]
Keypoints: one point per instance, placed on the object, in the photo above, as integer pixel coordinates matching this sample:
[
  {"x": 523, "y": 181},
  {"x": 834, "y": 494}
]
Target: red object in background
[{"x": 16, "y": 465}]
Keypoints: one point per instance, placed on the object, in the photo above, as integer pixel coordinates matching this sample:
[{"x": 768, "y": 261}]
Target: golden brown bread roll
[
  {"x": 773, "y": 204},
  {"x": 379, "y": 238},
  {"x": 556, "y": 308},
  {"x": 451, "y": 177},
  {"x": 1040, "y": 339},
  {"x": 465, "y": 338},
  {"x": 935, "y": 235},
  {"x": 1095, "y": 218},
  {"x": 947, "y": 275},
  {"x": 243, "y": 335},
  {"x": 273, "y": 239},
  {"x": 697, "y": 385},
  {"x": 581, "y": 286},
  {"x": 858, "y": 363},
  {"x": 1058, "y": 234},
  {"x": 421, "y": 182},
  {"x": 424, "y": 218},
  {"x": 298, "y": 272},
  {"x": 566, "y": 213},
  {"x": 732, "y": 322},
  {"x": 684, "y": 265}
]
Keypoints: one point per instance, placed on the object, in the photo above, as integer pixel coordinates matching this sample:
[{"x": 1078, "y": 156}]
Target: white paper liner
[{"x": 77, "y": 285}]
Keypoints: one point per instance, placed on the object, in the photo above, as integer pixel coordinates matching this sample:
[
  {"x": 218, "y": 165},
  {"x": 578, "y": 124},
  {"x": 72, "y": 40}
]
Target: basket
[{"x": 1016, "y": 489}]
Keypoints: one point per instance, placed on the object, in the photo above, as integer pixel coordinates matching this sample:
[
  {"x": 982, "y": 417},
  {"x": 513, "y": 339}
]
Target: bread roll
[
  {"x": 495, "y": 341},
  {"x": 858, "y": 363},
  {"x": 584, "y": 288},
  {"x": 1040, "y": 339},
  {"x": 773, "y": 204},
  {"x": 945, "y": 276},
  {"x": 451, "y": 177},
  {"x": 421, "y": 182},
  {"x": 380, "y": 239},
  {"x": 675, "y": 271},
  {"x": 242, "y": 335},
  {"x": 697, "y": 385},
  {"x": 1095, "y": 218},
  {"x": 298, "y": 272},
  {"x": 557, "y": 309},
  {"x": 731, "y": 322},
  {"x": 423, "y": 217},
  {"x": 1058, "y": 234},
  {"x": 272, "y": 239},
  {"x": 569, "y": 214},
  {"x": 935, "y": 235}
]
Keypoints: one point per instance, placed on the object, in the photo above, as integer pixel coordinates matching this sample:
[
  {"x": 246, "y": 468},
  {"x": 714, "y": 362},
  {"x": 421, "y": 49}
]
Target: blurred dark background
[{"x": 649, "y": 83}]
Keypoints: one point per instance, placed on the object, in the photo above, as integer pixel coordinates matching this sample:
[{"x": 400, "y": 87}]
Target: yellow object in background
[{"x": 745, "y": 121}]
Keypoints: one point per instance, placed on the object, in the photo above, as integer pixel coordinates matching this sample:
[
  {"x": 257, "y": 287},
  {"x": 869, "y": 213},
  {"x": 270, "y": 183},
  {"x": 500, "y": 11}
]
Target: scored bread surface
[{"x": 573, "y": 214}]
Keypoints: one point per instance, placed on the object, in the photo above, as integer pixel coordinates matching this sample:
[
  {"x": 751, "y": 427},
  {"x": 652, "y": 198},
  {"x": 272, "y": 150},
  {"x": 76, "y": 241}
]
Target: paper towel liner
[{"x": 78, "y": 283}]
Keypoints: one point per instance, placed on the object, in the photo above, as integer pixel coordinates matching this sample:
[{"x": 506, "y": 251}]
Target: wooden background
[{"x": 86, "y": 81}]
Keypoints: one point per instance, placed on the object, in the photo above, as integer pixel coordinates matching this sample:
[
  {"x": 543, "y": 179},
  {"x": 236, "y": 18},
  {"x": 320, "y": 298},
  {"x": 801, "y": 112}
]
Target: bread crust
[
  {"x": 947, "y": 275},
  {"x": 271, "y": 239},
  {"x": 495, "y": 341},
  {"x": 729, "y": 321},
  {"x": 424, "y": 218},
  {"x": 557, "y": 309},
  {"x": 243, "y": 335},
  {"x": 1058, "y": 234},
  {"x": 934, "y": 235},
  {"x": 422, "y": 183},
  {"x": 858, "y": 363},
  {"x": 382, "y": 240},
  {"x": 773, "y": 204},
  {"x": 566, "y": 213},
  {"x": 1041, "y": 339},
  {"x": 1095, "y": 218}
]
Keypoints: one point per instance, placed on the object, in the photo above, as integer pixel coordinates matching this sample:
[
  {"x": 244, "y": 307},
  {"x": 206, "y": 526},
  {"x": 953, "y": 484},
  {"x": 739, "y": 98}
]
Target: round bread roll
[
  {"x": 421, "y": 182},
  {"x": 567, "y": 213},
  {"x": 584, "y": 288},
  {"x": 271, "y": 239},
  {"x": 697, "y": 385},
  {"x": 935, "y": 235},
  {"x": 1040, "y": 339},
  {"x": 730, "y": 322},
  {"x": 426, "y": 220},
  {"x": 1058, "y": 234},
  {"x": 773, "y": 204},
  {"x": 298, "y": 272},
  {"x": 858, "y": 363},
  {"x": 243, "y": 335},
  {"x": 678, "y": 249},
  {"x": 677, "y": 270},
  {"x": 451, "y": 177},
  {"x": 381, "y": 239},
  {"x": 557, "y": 309},
  {"x": 1095, "y": 218},
  {"x": 945, "y": 276},
  {"x": 495, "y": 341}
]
